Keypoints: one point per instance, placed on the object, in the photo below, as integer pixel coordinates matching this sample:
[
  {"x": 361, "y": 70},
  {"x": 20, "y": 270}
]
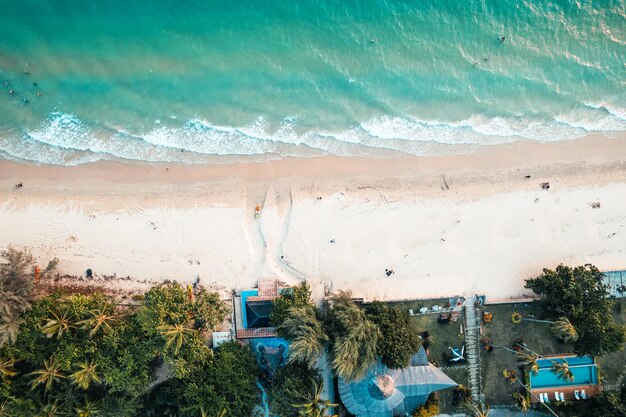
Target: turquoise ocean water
[{"x": 200, "y": 81}]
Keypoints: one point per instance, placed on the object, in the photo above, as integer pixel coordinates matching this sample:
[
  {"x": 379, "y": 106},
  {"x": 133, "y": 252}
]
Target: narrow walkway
[{"x": 471, "y": 346}]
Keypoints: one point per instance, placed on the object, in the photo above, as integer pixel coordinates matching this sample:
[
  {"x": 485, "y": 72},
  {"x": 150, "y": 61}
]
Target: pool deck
[{"x": 568, "y": 392}]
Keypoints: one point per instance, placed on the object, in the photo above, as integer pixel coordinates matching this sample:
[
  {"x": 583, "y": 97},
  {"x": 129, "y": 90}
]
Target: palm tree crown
[
  {"x": 7, "y": 370},
  {"x": 99, "y": 320},
  {"x": 86, "y": 375},
  {"x": 176, "y": 333},
  {"x": 354, "y": 349},
  {"x": 58, "y": 324},
  {"x": 48, "y": 375},
  {"x": 313, "y": 405},
  {"x": 562, "y": 369},
  {"x": 306, "y": 334},
  {"x": 564, "y": 330},
  {"x": 530, "y": 360}
]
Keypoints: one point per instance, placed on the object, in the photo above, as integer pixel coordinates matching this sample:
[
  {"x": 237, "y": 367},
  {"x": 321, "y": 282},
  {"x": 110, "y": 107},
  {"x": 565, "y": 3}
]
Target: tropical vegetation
[
  {"x": 399, "y": 338},
  {"x": 580, "y": 295},
  {"x": 87, "y": 355},
  {"x": 430, "y": 408},
  {"x": 291, "y": 384}
]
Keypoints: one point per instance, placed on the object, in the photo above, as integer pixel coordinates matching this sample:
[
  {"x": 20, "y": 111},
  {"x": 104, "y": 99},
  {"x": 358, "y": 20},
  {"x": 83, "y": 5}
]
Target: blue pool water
[
  {"x": 584, "y": 369},
  {"x": 244, "y": 297}
]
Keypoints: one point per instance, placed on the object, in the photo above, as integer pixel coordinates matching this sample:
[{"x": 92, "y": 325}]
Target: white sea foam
[{"x": 66, "y": 140}]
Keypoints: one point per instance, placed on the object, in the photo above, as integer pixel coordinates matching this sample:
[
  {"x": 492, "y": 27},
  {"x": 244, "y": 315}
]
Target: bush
[{"x": 430, "y": 408}]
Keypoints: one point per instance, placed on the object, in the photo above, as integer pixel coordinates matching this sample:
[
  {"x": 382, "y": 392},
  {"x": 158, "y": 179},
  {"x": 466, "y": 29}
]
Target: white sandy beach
[{"x": 487, "y": 231}]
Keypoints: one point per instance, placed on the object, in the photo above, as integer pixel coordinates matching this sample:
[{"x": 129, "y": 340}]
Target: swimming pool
[
  {"x": 244, "y": 296},
  {"x": 584, "y": 369}
]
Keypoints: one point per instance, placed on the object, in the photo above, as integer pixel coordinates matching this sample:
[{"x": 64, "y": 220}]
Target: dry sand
[{"x": 445, "y": 225}]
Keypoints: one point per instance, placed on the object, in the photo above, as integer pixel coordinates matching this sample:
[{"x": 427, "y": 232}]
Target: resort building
[
  {"x": 252, "y": 310},
  {"x": 386, "y": 392},
  {"x": 547, "y": 382}
]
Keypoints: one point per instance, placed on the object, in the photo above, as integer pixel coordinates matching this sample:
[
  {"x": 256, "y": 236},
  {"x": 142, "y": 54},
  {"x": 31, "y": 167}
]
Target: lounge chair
[
  {"x": 546, "y": 397},
  {"x": 411, "y": 313},
  {"x": 541, "y": 399},
  {"x": 562, "y": 396},
  {"x": 423, "y": 310},
  {"x": 556, "y": 396},
  {"x": 576, "y": 395},
  {"x": 583, "y": 395}
]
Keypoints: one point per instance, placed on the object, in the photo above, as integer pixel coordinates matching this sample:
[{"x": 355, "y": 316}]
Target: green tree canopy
[
  {"x": 85, "y": 352},
  {"x": 306, "y": 334},
  {"x": 354, "y": 338},
  {"x": 299, "y": 296},
  {"x": 73, "y": 369},
  {"x": 580, "y": 295},
  {"x": 223, "y": 381},
  {"x": 291, "y": 384},
  {"x": 399, "y": 338}
]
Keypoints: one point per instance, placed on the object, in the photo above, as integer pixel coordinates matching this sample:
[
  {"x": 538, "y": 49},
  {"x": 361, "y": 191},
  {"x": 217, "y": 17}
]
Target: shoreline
[
  {"x": 473, "y": 221},
  {"x": 521, "y": 155}
]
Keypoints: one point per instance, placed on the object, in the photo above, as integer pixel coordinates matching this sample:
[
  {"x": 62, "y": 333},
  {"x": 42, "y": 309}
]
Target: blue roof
[{"x": 406, "y": 389}]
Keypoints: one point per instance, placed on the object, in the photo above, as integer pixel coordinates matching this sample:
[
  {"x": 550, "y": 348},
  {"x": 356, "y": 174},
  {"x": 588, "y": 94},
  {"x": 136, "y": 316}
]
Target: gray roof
[{"x": 411, "y": 387}]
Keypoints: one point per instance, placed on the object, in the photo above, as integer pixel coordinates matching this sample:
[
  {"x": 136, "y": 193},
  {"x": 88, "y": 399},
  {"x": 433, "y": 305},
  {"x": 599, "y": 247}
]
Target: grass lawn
[
  {"x": 502, "y": 332},
  {"x": 443, "y": 336},
  {"x": 614, "y": 364}
]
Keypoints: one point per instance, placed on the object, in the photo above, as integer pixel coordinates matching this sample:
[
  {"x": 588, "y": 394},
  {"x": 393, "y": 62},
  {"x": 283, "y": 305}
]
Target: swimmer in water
[
  {"x": 25, "y": 72},
  {"x": 501, "y": 39},
  {"x": 11, "y": 92},
  {"x": 38, "y": 93},
  {"x": 6, "y": 83},
  {"x": 35, "y": 84}
]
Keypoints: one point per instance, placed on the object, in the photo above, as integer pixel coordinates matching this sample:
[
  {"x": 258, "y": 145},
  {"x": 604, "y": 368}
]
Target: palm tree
[
  {"x": 16, "y": 282},
  {"x": 48, "y": 375},
  {"x": 99, "y": 320},
  {"x": 313, "y": 405},
  {"x": 564, "y": 330},
  {"x": 8, "y": 330},
  {"x": 86, "y": 375},
  {"x": 529, "y": 360},
  {"x": 561, "y": 328},
  {"x": 178, "y": 333},
  {"x": 50, "y": 410},
  {"x": 562, "y": 369},
  {"x": 204, "y": 414},
  {"x": 356, "y": 337},
  {"x": 4, "y": 409},
  {"x": 7, "y": 370},
  {"x": 89, "y": 409},
  {"x": 304, "y": 330},
  {"x": 58, "y": 324},
  {"x": 520, "y": 399},
  {"x": 477, "y": 409}
]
